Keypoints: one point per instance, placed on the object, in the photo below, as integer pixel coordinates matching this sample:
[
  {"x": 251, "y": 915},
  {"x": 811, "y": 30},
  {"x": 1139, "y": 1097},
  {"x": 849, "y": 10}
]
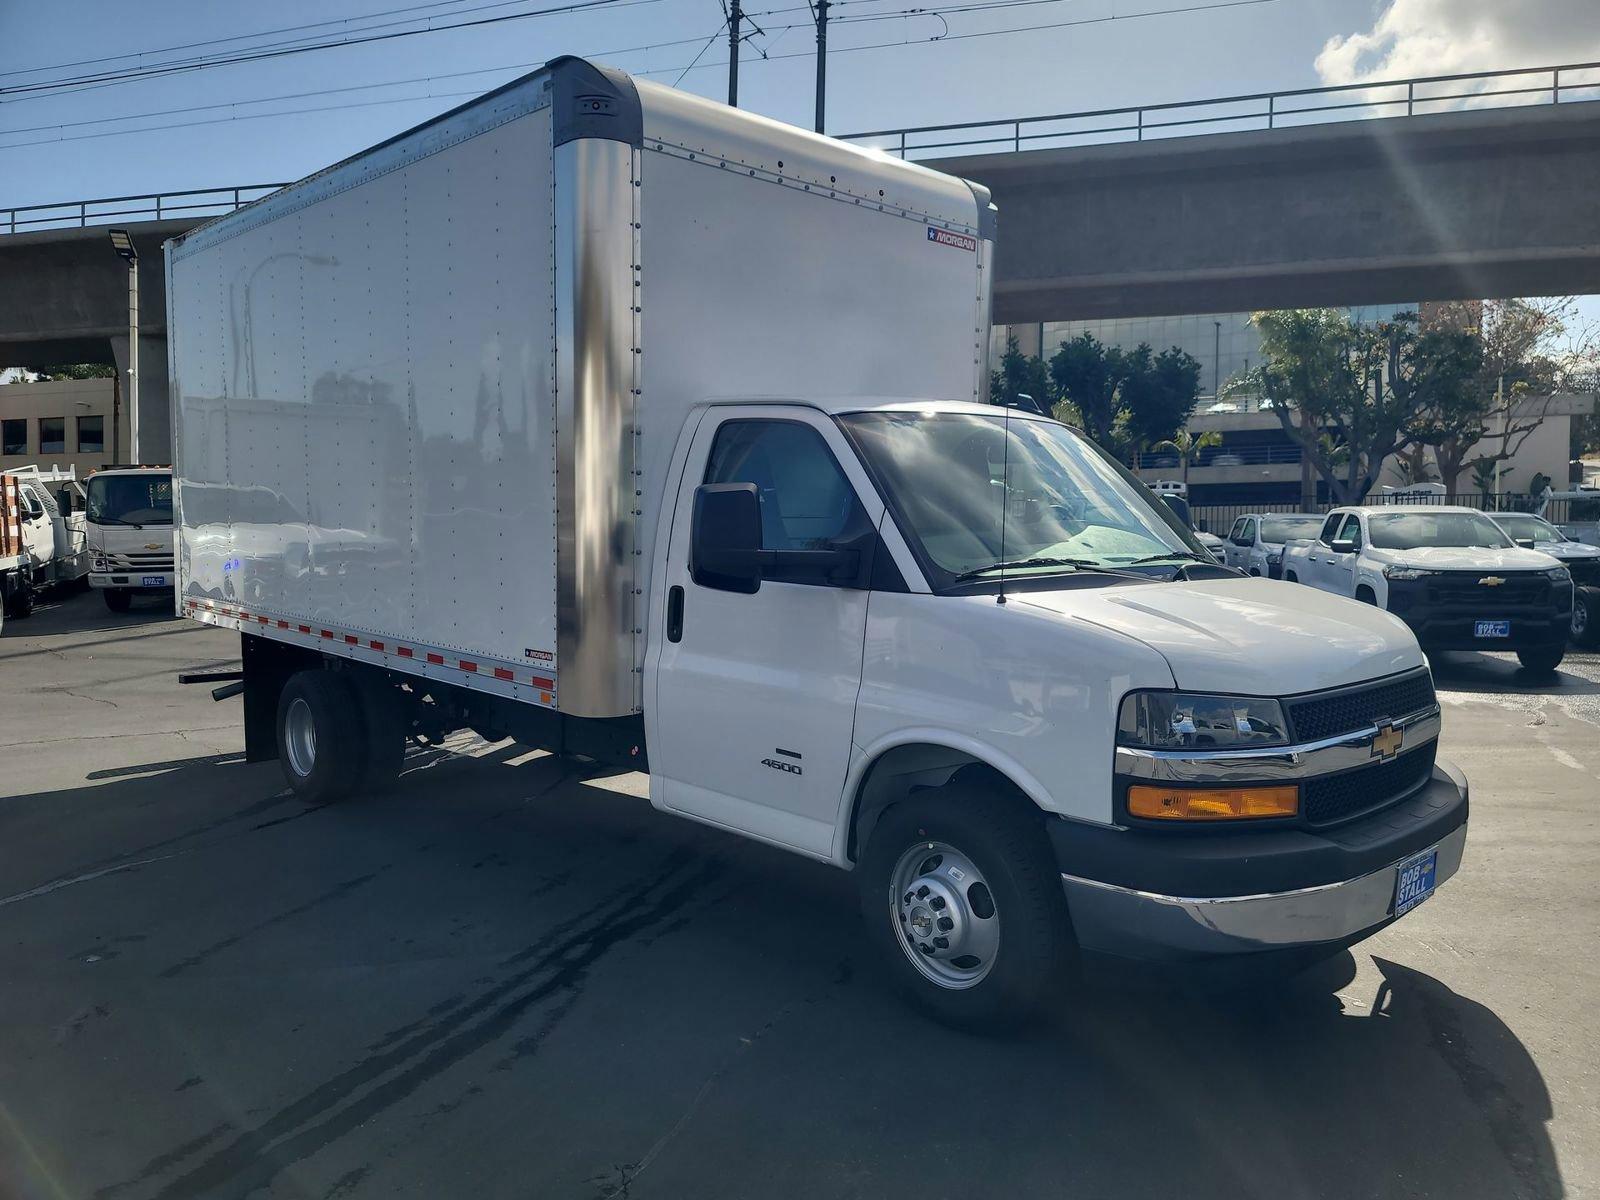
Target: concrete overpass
[{"x": 1428, "y": 206}]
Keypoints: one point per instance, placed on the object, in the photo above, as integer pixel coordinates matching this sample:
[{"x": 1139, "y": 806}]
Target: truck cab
[
  {"x": 128, "y": 526},
  {"x": 1452, "y": 575}
]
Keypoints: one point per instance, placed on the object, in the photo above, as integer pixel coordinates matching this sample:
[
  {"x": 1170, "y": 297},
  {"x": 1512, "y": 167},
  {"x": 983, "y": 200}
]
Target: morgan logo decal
[{"x": 943, "y": 237}]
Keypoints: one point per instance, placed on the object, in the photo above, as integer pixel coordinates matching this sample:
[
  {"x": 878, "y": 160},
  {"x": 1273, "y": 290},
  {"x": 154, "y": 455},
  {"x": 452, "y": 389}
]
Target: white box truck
[{"x": 626, "y": 424}]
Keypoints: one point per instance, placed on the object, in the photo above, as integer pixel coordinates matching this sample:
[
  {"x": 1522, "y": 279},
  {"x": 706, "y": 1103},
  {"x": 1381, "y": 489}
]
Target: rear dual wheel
[
  {"x": 965, "y": 908},
  {"x": 339, "y": 734}
]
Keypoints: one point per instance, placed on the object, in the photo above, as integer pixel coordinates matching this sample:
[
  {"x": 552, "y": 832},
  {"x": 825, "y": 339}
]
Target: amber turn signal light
[{"x": 1212, "y": 804}]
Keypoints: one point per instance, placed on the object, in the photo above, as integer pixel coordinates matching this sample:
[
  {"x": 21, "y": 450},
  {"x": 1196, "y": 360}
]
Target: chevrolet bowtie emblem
[
  {"x": 1386, "y": 742},
  {"x": 1491, "y": 581},
  {"x": 152, "y": 545}
]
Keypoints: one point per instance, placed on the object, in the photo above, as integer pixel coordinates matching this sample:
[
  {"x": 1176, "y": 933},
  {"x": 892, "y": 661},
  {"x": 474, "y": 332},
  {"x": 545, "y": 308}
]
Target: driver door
[
  {"x": 1341, "y": 567},
  {"x": 754, "y": 694}
]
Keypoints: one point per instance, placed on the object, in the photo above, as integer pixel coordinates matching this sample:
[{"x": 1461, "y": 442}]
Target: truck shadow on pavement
[
  {"x": 1578, "y": 675},
  {"x": 214, "y": 988}
]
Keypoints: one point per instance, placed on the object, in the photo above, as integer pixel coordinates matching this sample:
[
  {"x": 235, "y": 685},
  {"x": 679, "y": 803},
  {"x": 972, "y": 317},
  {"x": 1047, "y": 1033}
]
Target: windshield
[
  {"x": 949, "y": 475},
  {"x": 1529, "y": 527},
  {"x": 144, "y": 499},
  {"x": 1413, "y": 531},
  {"x": 1287, "y": 528}
]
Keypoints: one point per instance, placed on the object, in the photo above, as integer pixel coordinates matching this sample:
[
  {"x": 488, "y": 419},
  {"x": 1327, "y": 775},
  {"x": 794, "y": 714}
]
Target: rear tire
[
  {"x": 1366, "y": 595},
  {"x": 322, "y": 737},
  {"x": 1586, "y": 617},
  {"x": 1542, "y": 661},
  {"x": 19, "y": 604},
  {"x": 1291, "y": 577},
  {"x": 967, "y": 867},
  {"x": 118, "y": 600}
]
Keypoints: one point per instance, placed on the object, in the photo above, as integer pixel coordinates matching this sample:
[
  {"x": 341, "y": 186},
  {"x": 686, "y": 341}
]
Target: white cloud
[{"x": 1444, "y": 37}]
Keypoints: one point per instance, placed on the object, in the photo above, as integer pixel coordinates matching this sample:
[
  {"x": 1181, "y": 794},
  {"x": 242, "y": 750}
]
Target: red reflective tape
[
  {"x": 539, "y": 681},
  {"x": 403, "y": 651},
  {"x": 375, "y": 645},
  {"x": 351, "y": 639},
  {"x": 467, "y": 666},
  {"x": 327, "y": 633},
  {"x": 282, "y": 624},
  {"x": 305, "y": 629},
  {"x": 265, "y": 620},
  {"x": 502, "y": 673},
  {"x": 436, "y": 659}
]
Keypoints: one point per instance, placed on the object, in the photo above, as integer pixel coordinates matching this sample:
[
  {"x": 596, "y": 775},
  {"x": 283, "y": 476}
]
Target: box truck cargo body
[
  {"x": 629, "y": 425},
  {"x": 478, "y": 342}
]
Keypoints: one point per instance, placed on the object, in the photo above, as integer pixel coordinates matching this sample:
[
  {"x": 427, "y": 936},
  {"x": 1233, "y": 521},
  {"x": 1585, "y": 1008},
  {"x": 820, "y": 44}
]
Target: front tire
[
  {"x": 1291, "y": 577},
  {"x": 1542, "y": 661},
  {"x": 322, "y": 737},
  {"x": 964, "y": 906},
  {"x": 117, "y": 599},
  {"x": 20, "y": 603}
]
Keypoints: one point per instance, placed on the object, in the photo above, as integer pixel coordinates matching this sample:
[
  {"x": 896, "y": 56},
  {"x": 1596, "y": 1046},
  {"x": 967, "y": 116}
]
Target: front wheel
[
  {"x": 1291, "y": 577},
  {"x": 118, "y": 600},
  {"x": 965, "y": 907},
  {"x": 1542, "y": 661},
  {"x": 20, "y": 602}
]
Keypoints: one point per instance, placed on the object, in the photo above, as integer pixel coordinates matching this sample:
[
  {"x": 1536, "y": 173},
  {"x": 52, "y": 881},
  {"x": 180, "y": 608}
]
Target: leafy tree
[
  {"x": 1125, "y": 399},
  {"x": 1188, "y": 446},
  {"x": 77, "y": 371},
  {"x": 1021, "y": 375}
]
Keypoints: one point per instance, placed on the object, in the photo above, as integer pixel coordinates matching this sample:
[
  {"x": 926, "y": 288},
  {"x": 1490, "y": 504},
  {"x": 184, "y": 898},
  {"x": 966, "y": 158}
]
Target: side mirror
[
  {"x": 1343, "y": 546},
  {"x": 64, "y": 500},
  {"x": 725, "y": 537},
  {"x": 725, "y": 550},
  {"x": 1525, "y": 543}
]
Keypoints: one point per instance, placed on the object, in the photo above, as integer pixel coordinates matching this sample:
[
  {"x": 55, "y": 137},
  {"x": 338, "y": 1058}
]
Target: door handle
[{"x": 675, "y": 614}]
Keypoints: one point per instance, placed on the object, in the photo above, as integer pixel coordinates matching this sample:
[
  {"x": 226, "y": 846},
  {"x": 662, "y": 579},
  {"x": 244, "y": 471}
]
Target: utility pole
[
  {"x": 822, "y": 60},
  {"x": 734, "y": 19}
]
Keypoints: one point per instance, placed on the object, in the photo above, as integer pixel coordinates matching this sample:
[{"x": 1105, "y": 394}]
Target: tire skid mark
[
  {"x": 170, "y": 1159},
  {"x": 555, "y": 965}
]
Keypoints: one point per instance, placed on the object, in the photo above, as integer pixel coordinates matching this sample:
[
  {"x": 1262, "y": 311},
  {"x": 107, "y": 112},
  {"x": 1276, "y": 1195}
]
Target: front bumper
[
  {"x": 1173, "y": 897},
  {"x": 151, "y": 581}
]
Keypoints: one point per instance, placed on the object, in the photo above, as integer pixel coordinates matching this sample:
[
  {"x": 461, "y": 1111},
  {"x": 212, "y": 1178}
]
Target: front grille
[
  {"x": 161, "y": 561},
  {"x": 1466, "y": 588},
  {"x": 1334, "y": 798},
  {"x": 1332, "y": 713}
]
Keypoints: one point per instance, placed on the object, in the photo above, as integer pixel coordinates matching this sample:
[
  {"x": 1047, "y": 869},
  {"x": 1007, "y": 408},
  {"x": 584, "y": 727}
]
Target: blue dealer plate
[
  {"x": 152, "y": 581},
  {"x": 1492, "y": 629},
  {"x": 1415, "y": 880}
]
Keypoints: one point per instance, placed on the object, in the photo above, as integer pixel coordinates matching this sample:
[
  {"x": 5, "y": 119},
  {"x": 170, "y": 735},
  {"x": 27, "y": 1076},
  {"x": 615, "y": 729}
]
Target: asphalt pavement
[{"x": 512, "y": 978}]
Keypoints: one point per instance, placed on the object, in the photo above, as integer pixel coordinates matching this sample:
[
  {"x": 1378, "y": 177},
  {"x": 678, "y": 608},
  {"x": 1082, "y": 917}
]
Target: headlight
[
  {"x": 1394, "y": 572},
  {"x": 99, "y": 564},
  {"x": 1559, "y": 575},
  {"x": 1187, "y": 721}
]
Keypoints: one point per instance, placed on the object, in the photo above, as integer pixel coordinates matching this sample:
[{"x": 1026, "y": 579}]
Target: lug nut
[
  {"x": 937, "y": 903},
  {"x": 906, "y": 899},
  {"x": 946, "y": 924},
  {"x": 902, "y": 918},
  {"x": 941, "y": 943},
  {"x": 922, "y": 892},
  {"x": 924, "y": 947}
]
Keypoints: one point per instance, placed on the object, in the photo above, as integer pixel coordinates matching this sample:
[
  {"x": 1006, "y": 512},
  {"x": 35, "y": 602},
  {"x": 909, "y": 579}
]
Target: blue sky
[{"x": 51, "y": 146}]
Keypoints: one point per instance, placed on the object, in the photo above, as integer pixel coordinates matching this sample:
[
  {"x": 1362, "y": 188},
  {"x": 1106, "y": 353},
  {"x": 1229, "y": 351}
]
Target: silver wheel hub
[
  {"x": 944, "y": 915},
  {"x": 300, "y": 737}
]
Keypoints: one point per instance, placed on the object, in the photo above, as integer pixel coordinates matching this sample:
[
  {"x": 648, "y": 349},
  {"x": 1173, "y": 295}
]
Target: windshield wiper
[
  {"x": 109, "y": 520},
  {"x": 1013, "y": 564},
  {"x": 1151, "y": 558}
]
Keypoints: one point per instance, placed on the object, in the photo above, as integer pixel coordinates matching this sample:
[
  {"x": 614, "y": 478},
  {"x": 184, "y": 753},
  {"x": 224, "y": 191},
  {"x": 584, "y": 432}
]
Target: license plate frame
[
  {"x": 1415, "y": 880},
  {"x": 1491, "y": 629},
  {"x": 152, "y": 581}
]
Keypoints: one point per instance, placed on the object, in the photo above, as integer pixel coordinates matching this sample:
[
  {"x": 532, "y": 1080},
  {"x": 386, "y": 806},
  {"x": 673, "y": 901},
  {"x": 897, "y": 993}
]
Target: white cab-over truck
[
  {"x": 128, "y": 524},
  {"x": 1455, "y": 579},
  {"x": 633, "y": 426}
]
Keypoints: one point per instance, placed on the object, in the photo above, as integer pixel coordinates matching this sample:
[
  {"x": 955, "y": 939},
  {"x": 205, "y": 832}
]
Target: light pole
[
  {"x": 735, "y": 17},
  {"x": 821, "y": 9},
  {"x": 123, "y": 245}
]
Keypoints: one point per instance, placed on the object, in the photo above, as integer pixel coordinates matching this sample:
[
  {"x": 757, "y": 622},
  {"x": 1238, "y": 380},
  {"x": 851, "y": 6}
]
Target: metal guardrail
[
  {"x": 1219, "y": 456},
  {"x": 153, "y": 206},
  {"x": 1255, "y": 110}
]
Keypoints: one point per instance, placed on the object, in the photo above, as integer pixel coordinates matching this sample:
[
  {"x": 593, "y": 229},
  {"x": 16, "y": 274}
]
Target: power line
[{"x": 159, "y": 70}]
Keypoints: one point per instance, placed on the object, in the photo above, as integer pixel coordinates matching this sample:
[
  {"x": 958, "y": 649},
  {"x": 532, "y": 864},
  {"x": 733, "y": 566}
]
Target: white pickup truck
[
  {"x": 1451, "y": 574},
  {"x": 630, "y": 425}
]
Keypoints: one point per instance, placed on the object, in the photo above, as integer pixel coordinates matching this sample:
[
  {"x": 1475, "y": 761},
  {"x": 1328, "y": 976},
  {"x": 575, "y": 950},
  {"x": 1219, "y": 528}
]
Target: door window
[
  {"x": 1248, "y": 537},
  {"x": 1352, "y": 530},
  {"x": 806, "y": 501},
  {"x": 31, "y": 503},
  {"x": 1236, "y": 535},
  {"x": 1330, "y": 529}
]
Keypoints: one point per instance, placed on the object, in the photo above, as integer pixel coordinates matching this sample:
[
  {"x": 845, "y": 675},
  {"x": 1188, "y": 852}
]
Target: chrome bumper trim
[
  {"x": 1135, "y": 924},
  {"x": 1324, "y": 757}
]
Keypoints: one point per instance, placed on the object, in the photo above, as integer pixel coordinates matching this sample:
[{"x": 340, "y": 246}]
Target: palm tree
[{"x": 1189, "y": 446}]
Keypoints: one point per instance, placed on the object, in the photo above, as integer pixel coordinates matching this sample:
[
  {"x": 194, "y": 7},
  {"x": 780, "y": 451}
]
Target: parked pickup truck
[
  {"x": 671, "y": 431},
  {"x": 1255, "y": 543},
  {"x": 1581, "y": 560},
  {"x": 1450, "y": 574}
]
